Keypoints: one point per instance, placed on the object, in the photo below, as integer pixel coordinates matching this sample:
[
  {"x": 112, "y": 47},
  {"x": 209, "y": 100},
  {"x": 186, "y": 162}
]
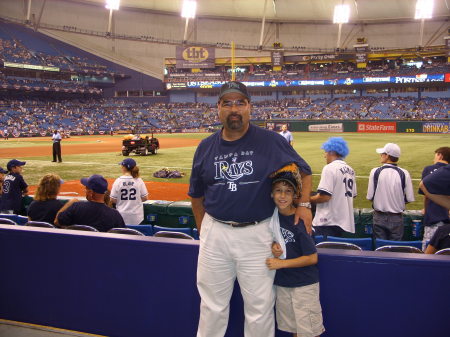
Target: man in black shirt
[{"x": 94, "y": 212}]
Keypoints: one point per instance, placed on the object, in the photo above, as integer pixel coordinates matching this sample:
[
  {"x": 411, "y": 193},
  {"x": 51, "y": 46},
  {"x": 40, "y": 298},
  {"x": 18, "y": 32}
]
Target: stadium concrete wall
[
  {"x": 148, "y": 57},
  {"x": 122, "y": 286}
]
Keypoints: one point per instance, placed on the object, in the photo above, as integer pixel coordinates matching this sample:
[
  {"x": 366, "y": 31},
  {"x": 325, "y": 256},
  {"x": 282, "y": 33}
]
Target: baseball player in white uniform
[
  {"x": 335, "y": 193},
  {"x": 128, "y": 193}
]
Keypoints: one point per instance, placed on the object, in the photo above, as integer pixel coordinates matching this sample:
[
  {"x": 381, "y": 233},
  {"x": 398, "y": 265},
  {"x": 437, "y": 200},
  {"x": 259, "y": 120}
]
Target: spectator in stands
[
  {"x": 440, "y": 240},
  {"x": 389, "y": 188},
  {"x": 2, "y": 176},
  {"x": 92, "y": 213},
  {"x": 14, "y": 188},
  {"x": 297, "y": 277},
  {"x": 335, "y": 193},
  {"x": 128, "y": 193},
  {"x": 434, "y": 214},
  {"x": 287, "y": 135},
  {"x": 436, "y": 186},
  {"x": 45, "y": 206}
]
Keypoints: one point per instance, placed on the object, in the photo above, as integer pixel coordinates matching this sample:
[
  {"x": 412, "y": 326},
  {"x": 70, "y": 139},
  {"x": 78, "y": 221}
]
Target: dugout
[
  {"x": 123, "y": 286},
  {"x": 168, "y": 213}
]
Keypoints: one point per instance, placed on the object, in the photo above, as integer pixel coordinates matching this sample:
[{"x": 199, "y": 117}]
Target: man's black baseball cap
[{"x": 234, "y": 86}]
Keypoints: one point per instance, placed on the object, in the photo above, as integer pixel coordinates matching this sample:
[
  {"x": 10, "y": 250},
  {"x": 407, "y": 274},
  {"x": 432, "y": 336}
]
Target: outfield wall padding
[{"x": 434, "y": 126}]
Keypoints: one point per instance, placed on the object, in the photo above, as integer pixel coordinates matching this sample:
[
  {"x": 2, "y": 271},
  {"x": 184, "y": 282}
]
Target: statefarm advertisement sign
[{"x": 377, "y": 127}]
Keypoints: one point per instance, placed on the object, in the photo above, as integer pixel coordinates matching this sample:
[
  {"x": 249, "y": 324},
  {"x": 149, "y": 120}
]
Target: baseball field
[{"x": 86, "y": 155}]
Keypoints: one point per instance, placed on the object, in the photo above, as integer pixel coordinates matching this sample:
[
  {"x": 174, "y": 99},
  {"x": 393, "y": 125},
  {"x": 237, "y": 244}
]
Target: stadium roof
[{"x": 309, "y": 11}]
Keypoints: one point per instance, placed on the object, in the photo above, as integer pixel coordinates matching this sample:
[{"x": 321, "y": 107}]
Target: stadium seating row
[{"x": 367, "y": 243}]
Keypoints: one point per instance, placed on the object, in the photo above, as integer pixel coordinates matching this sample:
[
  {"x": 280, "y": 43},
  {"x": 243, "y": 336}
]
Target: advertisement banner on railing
[
  {"x": 435, "y": 127},
  {"x": 336, "y": 127},
  {"x": 421, "y": 78},
  {"x": 377, "y": 127}
]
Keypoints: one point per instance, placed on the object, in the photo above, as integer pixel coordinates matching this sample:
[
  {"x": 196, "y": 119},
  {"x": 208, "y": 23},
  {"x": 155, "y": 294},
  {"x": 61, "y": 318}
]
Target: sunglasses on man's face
[{"x": 227, "y": 104}]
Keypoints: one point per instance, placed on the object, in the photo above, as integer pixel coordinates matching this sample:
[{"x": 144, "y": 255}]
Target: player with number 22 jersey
[{"x": 128, "y": 192}]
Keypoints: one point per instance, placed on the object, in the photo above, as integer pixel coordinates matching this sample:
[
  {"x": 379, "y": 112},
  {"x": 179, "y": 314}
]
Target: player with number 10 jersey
[{"x": 128, "y": 193}]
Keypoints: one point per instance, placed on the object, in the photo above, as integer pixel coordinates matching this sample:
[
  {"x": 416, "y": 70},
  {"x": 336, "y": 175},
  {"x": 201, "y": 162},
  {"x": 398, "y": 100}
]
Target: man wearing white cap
[{"x": 390, "y": 187}]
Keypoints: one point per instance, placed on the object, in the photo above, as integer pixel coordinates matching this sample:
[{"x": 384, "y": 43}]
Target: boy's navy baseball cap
[
  {"x": 3, "y": 171},
  {"x": 234, "y": 86},
  {"x": 96, "y": 183},
  {"x": 287, "y": 177},
  {"x": 13, "y": 163},
  {"x": 129, "y": 163}
]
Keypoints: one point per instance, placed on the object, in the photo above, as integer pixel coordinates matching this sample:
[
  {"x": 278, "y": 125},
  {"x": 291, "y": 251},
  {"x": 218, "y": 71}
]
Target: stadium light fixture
[
  {"x": 188, "y": 11},
  {"x": 341, "y": 16},
  {"x": 112, "y": 5},
  {"x": 424, "y": 9}
]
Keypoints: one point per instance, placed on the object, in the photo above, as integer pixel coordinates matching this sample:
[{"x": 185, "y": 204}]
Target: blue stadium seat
[
  {"x": 195, "y": 233},
  {"x": 318, "y": 239},
  {"x": 19, "y": 219},
  {"x": 5, "y": 221},
  {"x": 147, "y": 230},
  {"x": 364, "y": 243}
]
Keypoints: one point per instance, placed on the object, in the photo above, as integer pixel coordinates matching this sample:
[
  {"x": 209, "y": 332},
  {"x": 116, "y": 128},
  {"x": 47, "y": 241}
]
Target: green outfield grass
[{"x": 417, "y": 152}]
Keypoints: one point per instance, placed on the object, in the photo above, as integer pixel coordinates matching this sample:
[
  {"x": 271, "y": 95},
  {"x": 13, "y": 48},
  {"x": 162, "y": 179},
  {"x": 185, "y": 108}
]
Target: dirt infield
[
  {"x": 157, "y": 190},
  {"x": 70, "y": 146}
]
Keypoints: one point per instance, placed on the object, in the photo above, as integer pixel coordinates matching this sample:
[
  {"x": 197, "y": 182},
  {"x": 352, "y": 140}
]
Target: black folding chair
[
  {"x": 173, "y": 235},
  {"x": 399, "y": 249},
  {"x": 338, "y": 245},
  {"x": 39, "y": 224},
  {"x": 445, "y": 251},
  {"x": 82, "y": 228},
  {"x": 129, "y": 231}
]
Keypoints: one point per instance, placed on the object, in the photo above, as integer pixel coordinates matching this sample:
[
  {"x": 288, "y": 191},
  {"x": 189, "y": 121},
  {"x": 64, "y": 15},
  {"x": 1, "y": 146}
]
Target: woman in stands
[
  {"x": 128, "y": 193},
  {"x": 45, "y": 206}
]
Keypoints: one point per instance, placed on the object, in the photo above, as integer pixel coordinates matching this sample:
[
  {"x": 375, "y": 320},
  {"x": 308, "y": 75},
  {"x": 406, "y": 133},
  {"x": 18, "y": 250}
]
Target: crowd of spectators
[
  {"x": 93, "y": 115},
  {"x": 15, "y": 51},
  {"x": 37, "y": 84}
]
